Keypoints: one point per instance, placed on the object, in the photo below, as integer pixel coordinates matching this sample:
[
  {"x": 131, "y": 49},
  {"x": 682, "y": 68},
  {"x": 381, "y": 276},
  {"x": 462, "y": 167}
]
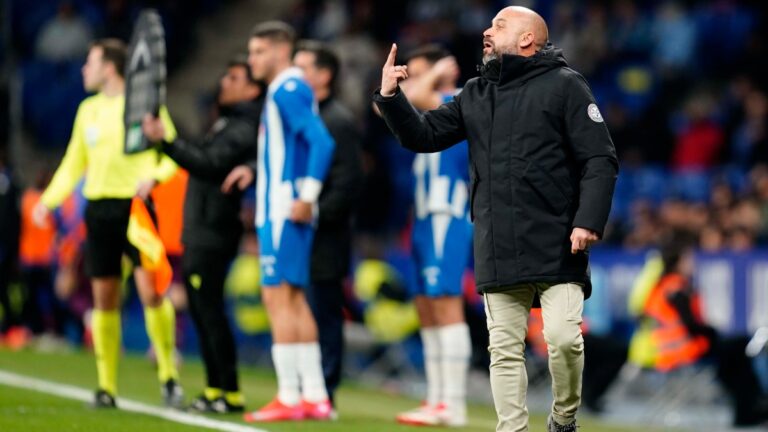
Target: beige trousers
[{"x": 507, "y": 318}]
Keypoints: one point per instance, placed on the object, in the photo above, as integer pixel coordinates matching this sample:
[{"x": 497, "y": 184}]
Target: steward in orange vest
[
  {"x": 678, "y": 330},
  {"x": 679, "y": 335}
]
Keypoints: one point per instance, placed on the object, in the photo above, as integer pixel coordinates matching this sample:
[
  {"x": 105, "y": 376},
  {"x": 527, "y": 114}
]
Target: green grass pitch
[{"x": 360, "y": 409}]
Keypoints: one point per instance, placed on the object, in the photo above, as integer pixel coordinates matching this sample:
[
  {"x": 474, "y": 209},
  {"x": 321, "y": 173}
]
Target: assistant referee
[{"x": 112, "y": 179}]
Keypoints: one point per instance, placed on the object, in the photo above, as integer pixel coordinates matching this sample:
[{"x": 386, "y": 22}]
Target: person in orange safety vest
[{"x": 679, "y": 335}]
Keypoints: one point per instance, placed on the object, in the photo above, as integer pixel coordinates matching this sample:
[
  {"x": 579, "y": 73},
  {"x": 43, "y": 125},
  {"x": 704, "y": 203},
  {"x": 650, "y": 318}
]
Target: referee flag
[{"x": 143, "y": 235}]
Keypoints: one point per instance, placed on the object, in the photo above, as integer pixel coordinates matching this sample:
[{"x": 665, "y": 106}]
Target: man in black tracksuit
[
  {"x": 342, "y": 187},
  {"x": 542, "y": 170},
  {"x": 212, "y": 227}
]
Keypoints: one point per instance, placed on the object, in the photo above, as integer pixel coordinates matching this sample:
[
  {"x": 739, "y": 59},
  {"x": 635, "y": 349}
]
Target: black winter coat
[
  {"x": 212, "y": 218},
  {"x": 341, "y": 190},
  {"x": 541, "y": 163}
]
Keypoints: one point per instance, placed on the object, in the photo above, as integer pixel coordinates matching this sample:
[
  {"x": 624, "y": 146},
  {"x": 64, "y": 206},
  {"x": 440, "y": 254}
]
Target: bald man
[{"x": 542, "y": 173}]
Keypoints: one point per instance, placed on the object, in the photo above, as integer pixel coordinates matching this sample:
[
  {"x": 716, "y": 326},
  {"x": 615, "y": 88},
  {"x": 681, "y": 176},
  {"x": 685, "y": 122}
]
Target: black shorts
[{"x": 106, "y": 223}]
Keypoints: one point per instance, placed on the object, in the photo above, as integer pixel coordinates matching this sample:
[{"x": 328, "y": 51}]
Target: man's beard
[{"x": 496, "y": 54}]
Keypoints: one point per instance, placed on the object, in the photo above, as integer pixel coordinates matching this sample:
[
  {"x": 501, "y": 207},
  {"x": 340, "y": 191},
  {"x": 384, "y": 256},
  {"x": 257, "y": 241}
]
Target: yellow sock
[
  {"x": 212, "y": 393},
  {"x": 161, "y": 328},
  {"x": 234, "y": 398},
  {"x": 105, "y": 328}
]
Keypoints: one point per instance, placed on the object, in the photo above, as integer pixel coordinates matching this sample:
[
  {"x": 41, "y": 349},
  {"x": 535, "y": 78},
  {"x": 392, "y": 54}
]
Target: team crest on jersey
[{"x": 594, "y": 113}]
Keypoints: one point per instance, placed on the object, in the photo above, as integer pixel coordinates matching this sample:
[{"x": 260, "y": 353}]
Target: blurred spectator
[
  {"x": 42, "y": 311},
  {"x": 65, "y": 37},
  {"x": 712, "y": 239},
  {"x": 118, "y": 22},
  {"x": 630, "y": 33},
  {"x": 673, "y": 334},
  {"x": 169, "y": 204},
  {"x": 591, "y": 43},
  {"x": 331, "y": 21},
  {"x": 71, "y": 285},
  {"x": 674, "y": 37},
  {"x": 700, "y": 139},
  {"x": 750, "y": 140},
  {"x": 475, "y": 16},
  {"x": 644, "y": 227}
]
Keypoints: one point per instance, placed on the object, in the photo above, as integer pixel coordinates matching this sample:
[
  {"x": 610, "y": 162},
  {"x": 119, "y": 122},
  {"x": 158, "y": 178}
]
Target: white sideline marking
[{"x": 80, "y": 394}]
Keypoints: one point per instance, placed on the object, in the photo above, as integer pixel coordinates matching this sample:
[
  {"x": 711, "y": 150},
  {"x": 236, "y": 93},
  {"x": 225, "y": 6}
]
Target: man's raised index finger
[{"x": 392, "y": 55}]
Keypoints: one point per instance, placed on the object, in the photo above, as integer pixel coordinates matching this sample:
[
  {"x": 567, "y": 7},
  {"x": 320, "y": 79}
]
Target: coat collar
[{"x": 515, "y": 68}]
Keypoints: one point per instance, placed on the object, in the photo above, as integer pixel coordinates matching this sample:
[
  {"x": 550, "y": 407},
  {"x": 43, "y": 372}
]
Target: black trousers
[
  {"x": 42, "y": 310},
  {"x": 204, "y": 273},
  {"x": 326, "y": 299},
  {"x": 736, "y": 374},
  {"x": 10, "y": 317},
  {"x": 606, "y": 356}
]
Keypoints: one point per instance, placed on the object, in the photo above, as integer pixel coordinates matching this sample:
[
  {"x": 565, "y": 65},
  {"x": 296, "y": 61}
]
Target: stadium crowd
[{"x": 688, "y": 117}]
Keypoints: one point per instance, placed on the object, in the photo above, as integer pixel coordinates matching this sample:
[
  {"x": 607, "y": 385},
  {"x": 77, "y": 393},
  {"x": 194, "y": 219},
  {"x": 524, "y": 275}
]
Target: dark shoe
[
  {"x": 201, "y": 404},
  {"x": 173, "y": 394},
  {"x": 553, "y": 426},
  {"x": 221, "y": 406},
  {"x": 102, "y": 399}
]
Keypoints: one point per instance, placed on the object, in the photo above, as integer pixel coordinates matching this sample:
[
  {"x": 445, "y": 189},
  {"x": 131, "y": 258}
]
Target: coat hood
[{"x": 515, "y": 68}]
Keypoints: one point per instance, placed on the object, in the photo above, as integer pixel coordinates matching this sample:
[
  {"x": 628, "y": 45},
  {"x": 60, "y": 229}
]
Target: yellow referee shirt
[{"x": 96, "y": 150}]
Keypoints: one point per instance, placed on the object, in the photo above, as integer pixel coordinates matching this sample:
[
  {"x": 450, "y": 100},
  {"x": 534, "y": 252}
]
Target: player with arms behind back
[{"x": 294, "y": 154}]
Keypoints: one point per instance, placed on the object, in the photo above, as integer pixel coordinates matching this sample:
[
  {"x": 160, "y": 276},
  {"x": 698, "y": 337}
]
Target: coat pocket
[{"x": 546, "y": 187}]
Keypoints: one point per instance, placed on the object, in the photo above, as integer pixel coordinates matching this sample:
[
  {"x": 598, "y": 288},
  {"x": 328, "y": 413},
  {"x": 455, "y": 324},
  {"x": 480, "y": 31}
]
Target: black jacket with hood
[
  {"x": 541, "y": 163},
  {"x": 211, "y": 217}
]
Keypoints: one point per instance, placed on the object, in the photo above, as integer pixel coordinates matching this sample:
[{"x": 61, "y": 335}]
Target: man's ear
[
  {"x": 287, "y": 50},
  {"x": 526, "y": 40},
  {"x": 110, "y": 68}
]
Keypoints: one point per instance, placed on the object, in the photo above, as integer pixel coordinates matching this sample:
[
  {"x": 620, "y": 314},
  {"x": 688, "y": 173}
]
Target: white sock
[
  {"x": 311, "y": 373},
  {"x": 286, "y": 360},
  {"x": 456, "y": 353},
  {"x": 431, "y": 341}
]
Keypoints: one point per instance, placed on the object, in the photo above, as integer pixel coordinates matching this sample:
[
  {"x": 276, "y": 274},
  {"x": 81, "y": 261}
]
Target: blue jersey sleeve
[{"x": 295, "y": 101}]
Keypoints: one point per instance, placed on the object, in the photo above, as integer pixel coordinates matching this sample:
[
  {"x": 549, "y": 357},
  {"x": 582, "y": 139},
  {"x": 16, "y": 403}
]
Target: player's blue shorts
[
  {"x": 440, "y": 274},
  {"x": 288, "y": 259}
]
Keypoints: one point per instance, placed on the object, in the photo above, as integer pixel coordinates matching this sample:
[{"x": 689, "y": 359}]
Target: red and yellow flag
[{"x": 143, "y": 235}]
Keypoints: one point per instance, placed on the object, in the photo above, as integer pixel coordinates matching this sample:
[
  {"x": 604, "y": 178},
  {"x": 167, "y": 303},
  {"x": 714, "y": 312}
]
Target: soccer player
[
  {"x": 442, "y": 240},
  {"x": 294, "y": 154},
  {"x": 212, "y": 226},
  {"x": 112, "y": 179}
]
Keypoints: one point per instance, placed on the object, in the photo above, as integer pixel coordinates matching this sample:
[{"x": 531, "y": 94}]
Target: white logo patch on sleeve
[
  {"x": 594, "y": 113},
  {"x": 290, "y": 86}
]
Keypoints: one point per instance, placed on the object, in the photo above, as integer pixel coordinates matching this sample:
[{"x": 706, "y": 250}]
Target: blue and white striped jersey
[
  {"x": 294, "y": 152},
  {"x": 442, "y": 181}
]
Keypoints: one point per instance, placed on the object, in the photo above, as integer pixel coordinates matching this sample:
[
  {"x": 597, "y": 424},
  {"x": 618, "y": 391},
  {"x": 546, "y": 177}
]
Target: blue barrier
[{"x": 733, "y": 286}]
